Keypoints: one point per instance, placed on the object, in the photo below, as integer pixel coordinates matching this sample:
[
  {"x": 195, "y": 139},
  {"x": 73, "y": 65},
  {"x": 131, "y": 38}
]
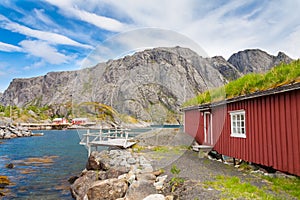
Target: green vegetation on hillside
[
  {"x": 280, "y": 75},
  {"x": 94, "y": 111},
  {"x": 25, "y": 114}
]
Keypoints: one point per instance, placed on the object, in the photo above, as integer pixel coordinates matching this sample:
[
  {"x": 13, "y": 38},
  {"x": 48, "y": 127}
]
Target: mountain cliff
[
  {"x": 255, "y": 60},
  {"x": 149, "y": 85}
]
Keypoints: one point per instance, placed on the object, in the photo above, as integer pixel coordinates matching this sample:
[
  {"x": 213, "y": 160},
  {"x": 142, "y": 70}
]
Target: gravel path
[{"x": 194, "y": 170}]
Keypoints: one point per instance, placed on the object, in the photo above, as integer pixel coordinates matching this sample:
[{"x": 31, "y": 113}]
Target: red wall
[
  {"x": 272, "y": 131},
  {"x": 193, "y": 124}
]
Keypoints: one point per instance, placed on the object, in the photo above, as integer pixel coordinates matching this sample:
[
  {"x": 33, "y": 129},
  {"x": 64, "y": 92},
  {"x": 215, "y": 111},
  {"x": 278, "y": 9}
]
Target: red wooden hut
[{"x": 262, "y": 128}]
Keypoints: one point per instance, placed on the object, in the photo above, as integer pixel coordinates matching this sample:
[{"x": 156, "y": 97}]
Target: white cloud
[
  {"x": 69, "y": 8},
  {"x": 35, "y": 65},
  {"x": 221, "y": 27},
  {"x": 44, "y": 50},
  {"x": 40, "y": 15},
  {"x": 9, "y": 48},
  {"x": 42, "y": 35}
]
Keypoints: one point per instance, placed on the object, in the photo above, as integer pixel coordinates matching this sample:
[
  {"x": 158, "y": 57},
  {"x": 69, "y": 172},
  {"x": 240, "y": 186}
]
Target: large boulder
[
  {"x": 109, "y": 189},
  {"x": 98, "y": 161},
  {"x": 81, "y": 185}
]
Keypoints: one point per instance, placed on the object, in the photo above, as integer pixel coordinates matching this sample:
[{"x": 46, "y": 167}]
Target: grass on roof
[{"x": 280, "y": 75}]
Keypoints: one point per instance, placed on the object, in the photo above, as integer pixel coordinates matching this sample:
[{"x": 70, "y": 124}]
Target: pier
[
  {"x": 44, "y": 126},
  {"x": 109, "y": 138}
]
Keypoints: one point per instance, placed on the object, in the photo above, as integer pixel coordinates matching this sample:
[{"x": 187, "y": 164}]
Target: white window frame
[{"x": 238, "y": 123}]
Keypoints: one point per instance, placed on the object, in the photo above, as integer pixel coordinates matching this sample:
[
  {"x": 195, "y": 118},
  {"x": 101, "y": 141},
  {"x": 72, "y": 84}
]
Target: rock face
[
  {"x": 256, "y": 60},
  {"x": 148, "y": 85}
]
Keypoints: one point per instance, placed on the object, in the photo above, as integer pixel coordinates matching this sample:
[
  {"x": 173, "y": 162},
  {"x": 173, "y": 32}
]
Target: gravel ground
[{"x": 194, "y": 170}]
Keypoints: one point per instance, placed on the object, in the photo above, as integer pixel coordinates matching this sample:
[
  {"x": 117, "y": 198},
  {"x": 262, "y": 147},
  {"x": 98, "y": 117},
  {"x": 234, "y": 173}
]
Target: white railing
[{"x": 110, "y": 137}]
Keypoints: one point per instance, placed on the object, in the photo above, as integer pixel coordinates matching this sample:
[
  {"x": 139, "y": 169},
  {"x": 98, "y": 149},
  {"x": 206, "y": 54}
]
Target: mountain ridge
[{"x": 149, "y": 85}]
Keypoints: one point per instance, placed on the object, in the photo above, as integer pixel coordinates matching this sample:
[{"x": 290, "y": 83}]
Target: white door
[{"x": 208, "y": 137}]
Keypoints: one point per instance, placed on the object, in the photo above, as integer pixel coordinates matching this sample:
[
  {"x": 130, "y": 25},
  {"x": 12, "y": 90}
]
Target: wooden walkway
[{"x": 111, "y": 138}]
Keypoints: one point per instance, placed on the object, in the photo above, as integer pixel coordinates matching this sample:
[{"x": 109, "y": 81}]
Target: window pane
[
  {"x": 243, "y": 130},
  {"x": 242, "y": 117},
  {"x": 233, "y": 130},
  {"x": 233, "y": 117},
  {"x": 238, "y": 117}
]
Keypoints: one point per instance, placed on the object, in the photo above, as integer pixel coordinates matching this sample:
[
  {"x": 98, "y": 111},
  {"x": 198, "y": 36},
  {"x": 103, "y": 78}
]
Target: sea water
[{"x": 42, "y": 165}]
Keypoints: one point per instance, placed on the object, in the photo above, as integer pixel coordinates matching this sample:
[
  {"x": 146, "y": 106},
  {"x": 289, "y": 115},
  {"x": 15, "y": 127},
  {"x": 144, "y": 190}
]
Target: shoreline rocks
[
  {"x": 10, "y": 131},
  {"x": 117, "y": 174}
]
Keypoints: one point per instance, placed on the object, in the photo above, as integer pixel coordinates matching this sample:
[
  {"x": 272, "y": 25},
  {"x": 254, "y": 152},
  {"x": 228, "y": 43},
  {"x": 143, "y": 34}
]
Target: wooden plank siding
[
  {"x": 194, "y": 124},
  {"x": 272, "y": 130}
]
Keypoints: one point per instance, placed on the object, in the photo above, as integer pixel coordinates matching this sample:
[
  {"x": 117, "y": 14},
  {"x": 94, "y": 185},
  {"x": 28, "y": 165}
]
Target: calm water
[{"x": 62, "y": 157}]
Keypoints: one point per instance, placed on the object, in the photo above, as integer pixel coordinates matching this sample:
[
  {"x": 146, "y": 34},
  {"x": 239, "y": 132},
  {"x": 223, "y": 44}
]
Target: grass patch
[
  {"x": 170, "y": 149},
  {"x": 233, "y": 188},
  {"x": 289, "y": 185},
  {"x": 161, "y": 149},
  {"x": 280, "y": 75},
  {"x": 137, "y": 148}
]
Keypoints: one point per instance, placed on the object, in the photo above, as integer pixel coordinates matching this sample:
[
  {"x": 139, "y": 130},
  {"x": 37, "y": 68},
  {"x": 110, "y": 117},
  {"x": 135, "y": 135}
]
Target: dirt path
[{"x": 170, "y": 149}]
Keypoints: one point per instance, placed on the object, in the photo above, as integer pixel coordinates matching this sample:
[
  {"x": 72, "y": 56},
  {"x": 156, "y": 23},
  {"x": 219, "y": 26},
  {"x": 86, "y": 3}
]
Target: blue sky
[{"x": 37, "y": 37}]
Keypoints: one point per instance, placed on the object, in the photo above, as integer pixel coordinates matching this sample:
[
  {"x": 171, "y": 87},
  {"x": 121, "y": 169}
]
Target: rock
[
  {"x": 146, "y": 176},
  {"x": 116, "y": 172},
  {"x": 19, "y": 134},
  {"x": 256, "y": 61},
  {"x": 10, "y": 166},
  {"x": 131, "y": 178},
  {"x": 103, "y": 158},
  {"x": 9, "y": 135},
  {"x": 131, "y": 161},
  {"x": 169, "y": 197},
  {"x": 1, "y": 135},
  {"x": 158, "y": 172},
  {"x": 160, "y": 182},
  {"x": 9, "y": 132},
  {"x": 72, "y": 179},
  {"x": 124, "y": 163},
  {"x": 101, "y": 175},
  {"x": 81, "y": 185},
  {"x": 140, "y": 190},
  {"x": 109, "y": 189},
  {"x": 146, "y": 168},
  {"x": 155, "y": 197},
  {"x": 92, "y": 163}
]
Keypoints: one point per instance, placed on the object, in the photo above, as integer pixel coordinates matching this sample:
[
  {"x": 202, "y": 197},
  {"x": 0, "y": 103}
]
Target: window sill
[{"x": 238, "y": 136}]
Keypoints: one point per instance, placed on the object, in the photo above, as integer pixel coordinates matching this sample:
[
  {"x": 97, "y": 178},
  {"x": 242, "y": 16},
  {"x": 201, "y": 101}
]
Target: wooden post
[
  {"x": 100, "y": 134},
  {"x": 126, "y": 137},
  {"x": 88, "y": 141}
]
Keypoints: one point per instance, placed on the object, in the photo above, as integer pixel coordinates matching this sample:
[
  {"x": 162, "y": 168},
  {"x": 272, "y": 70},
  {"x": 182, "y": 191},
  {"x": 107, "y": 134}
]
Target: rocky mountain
[
  {"x": 149, "y": 85},
  {"x": 255, "y": 60}
]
